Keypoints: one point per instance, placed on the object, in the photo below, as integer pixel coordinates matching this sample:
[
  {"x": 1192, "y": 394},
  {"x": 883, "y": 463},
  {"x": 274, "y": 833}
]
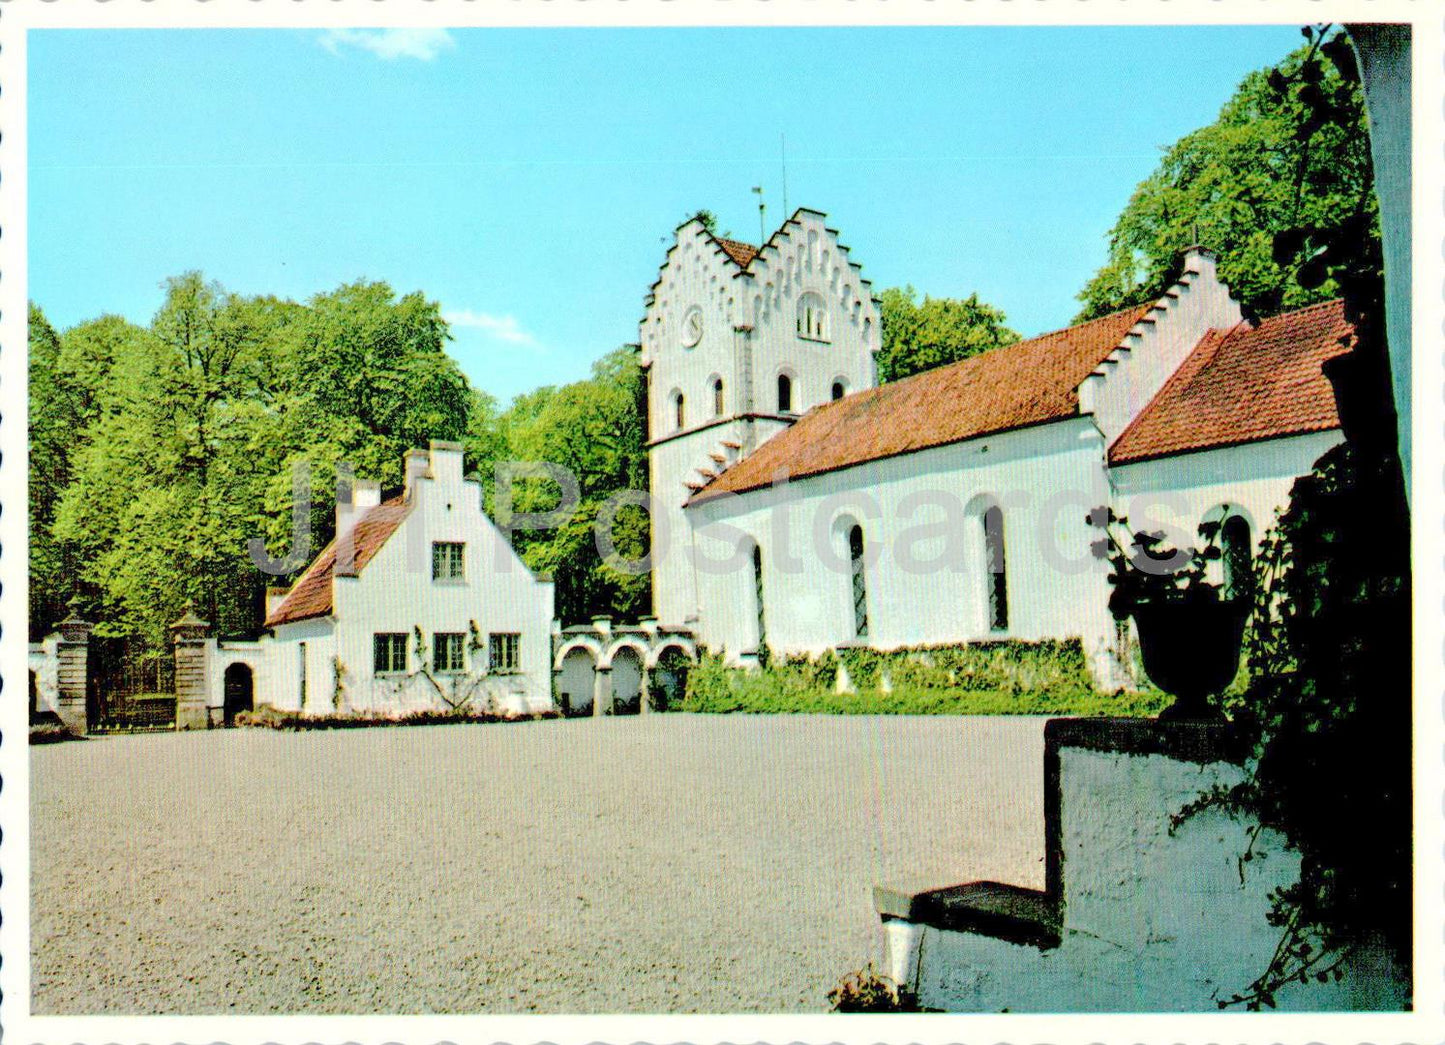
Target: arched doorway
[
  {"x": 626, "y": 681},
  {"x": 669, "y": 679},
  {"x": 575, "y": 681},
  {"x": 238, "y": 690}
]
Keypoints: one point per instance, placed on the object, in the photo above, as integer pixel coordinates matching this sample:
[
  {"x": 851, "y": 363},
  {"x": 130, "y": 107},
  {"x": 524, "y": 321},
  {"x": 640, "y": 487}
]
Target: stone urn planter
[{"x": 1190, "y": 648}]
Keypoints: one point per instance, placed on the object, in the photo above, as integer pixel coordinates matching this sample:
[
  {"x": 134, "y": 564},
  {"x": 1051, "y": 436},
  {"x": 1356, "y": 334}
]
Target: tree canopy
[
  {"x": 158, "y": 452},
  {"x": 919, "y": 336},
  {"x": 1273, "y": 161}
]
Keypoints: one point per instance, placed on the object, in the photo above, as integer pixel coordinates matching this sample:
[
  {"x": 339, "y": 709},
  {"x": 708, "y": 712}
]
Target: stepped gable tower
[{"x": 738, "y": 342}]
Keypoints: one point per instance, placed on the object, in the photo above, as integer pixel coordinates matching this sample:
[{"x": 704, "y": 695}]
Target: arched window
[
  {"x": 812, "y": 317},
  {"x": 759, "y": 605},
  {"x": 785, "y": 394},
  {"x": 717, "y": 397},
  {"x": 1236, "y": 544},
  {"x": 679, "y": 416},
  {"x": 860, "y": 582},
  {"x": 997, "y": 571},
  {"x": 840, "y": 389}
]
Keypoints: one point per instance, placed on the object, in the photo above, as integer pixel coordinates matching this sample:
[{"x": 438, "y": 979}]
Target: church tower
[{"x": 737, "y": 343}]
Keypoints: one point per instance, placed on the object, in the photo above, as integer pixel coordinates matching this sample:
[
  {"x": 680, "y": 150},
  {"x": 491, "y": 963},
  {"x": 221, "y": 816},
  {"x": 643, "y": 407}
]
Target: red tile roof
[
  {"x": 1020, "y": 384},
  {"x": 310, "y": 596},
  {"x": 1247, "y": 383},
  {"x": 742, "y": 253}
]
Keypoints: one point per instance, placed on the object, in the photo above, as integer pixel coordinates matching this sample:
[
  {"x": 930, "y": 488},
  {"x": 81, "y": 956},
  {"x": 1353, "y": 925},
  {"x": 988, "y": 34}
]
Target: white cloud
[
  {"x": 390, "y": 44},
  {"x": 502, "y": 328}
]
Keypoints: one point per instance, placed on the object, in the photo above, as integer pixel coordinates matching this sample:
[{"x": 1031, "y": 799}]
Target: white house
[
  {"x": 418, "y": 603},
  {"x": 950, "y": 506}
]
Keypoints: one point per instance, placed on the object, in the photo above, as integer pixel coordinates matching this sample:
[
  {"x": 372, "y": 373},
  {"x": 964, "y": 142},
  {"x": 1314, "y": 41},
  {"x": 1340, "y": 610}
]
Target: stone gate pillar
[
  {"x": 192, "y": 679},
  {"x": 72, "y": 673},
  {"x": 602, "y": 691}
]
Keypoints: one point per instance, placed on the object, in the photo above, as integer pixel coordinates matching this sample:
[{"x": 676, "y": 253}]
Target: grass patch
[{"x": 993, "y": 678}]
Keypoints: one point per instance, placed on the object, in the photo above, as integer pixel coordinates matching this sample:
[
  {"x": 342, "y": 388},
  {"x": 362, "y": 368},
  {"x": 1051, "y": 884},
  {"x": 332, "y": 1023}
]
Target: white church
[{"x": 800, "y": 505}]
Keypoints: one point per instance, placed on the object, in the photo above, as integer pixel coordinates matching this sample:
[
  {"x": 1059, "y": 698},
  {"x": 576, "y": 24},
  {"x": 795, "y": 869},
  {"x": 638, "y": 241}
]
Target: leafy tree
[
  {"x": 163, "y": 450},
  {"x": 1271, "y": 162},
  {"x": 920, "y": 336},
  {"x": 596, "y": 430}
]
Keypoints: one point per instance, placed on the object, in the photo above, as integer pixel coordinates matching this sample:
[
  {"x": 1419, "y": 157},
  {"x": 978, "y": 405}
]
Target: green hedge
[{"x": 984, "y": 678}]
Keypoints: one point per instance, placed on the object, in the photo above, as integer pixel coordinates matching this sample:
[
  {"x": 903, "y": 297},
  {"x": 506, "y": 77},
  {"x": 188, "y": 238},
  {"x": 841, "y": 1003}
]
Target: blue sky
[{"x": 529, "y": 180}]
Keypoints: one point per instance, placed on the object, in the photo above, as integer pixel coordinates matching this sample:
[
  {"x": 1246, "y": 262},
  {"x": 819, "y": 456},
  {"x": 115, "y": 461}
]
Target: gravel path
[{"x": 671, "y": 863}]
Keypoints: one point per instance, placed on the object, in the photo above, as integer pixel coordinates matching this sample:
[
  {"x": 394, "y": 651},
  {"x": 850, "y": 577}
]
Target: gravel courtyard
[{"x": 668, "y": 863}]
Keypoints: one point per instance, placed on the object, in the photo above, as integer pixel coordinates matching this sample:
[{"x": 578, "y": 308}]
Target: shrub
[
  {"x": 51, "y": 733},
  {"x": 865, "y": 990},
  {"x": 986, "y": 678}
]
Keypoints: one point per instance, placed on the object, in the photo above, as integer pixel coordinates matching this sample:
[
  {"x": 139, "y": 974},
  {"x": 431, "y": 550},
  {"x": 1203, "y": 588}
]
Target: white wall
[
  {"x": 1254, "y": 479},
  {"x": 278, "y": 683},
  {"x": 44, "y": 661},
  {"x": 1123, "y": 385},
  {"x": 1152, "y": 922},
  {"x": 1045, "y": 478}
]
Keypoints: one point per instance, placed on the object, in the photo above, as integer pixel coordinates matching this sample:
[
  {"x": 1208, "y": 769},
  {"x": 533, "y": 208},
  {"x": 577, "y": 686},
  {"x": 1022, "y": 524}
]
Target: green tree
[
  {"x": 920, "y": 336},
  {"x": 596, "y": 430},
  {"x": 1268, "y": 164},
  {"x": 163, "y": 450}
]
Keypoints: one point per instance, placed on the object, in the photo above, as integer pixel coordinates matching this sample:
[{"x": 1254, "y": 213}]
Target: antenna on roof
[
  {"x": 762, "y": 220},
  {"x": 784, "y": 138}
]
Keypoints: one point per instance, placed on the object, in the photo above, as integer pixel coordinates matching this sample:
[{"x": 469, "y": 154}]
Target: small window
[
  {"x": 388, "y": 653},
  {"x": 785, "y": 394},
  {"x": 504, "y": 651},
  {"x": 446, "y": 561},
  {"x": 997, "y": 589},
  {"x": 717, "y": 397},
  {"x": 679, "y": 417},
  {"x": 301, "y": 674},
  {"x": 1237, "y": 546},
  {"x": 839, "y": 390},
  {"x": 446, "y": 652},
  {"x": 759, "y": 606},
  {"x": 860, "y": 582}
]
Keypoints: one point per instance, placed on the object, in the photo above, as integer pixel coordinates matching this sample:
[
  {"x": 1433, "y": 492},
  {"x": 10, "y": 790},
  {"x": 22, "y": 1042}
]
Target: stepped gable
[
  {"x": 310, "y": 596},
  {"x": 1026, "y": 383},
  {"x": 1251, "y": 382}
]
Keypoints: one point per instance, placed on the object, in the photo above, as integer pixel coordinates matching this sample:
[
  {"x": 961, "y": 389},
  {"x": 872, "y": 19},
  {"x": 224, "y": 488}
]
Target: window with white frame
[
  {"x": 447, "y": 652},
  {"x": 504, "y": 652},
  {"x": 388, "y": 653},
  {"x": 446, "y": 561}
]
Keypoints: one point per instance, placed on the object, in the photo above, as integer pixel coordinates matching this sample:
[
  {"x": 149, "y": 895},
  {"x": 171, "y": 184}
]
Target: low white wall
[
  {"x": 44, "y": 661},
  {"x": 1151, "y": 922}
]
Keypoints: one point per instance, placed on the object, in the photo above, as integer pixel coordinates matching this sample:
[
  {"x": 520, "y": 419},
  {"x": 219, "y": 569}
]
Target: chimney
[{"x": 417, "y": 466}]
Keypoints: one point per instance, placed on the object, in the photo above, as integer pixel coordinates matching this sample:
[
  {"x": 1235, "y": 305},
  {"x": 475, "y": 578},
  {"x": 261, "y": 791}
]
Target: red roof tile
[
  {"x": 1020, "y": 384},
  {"x": 310, "y": 596},
  {"x": 1243, "y": 384},
  {"x": 742, "y": 253}
]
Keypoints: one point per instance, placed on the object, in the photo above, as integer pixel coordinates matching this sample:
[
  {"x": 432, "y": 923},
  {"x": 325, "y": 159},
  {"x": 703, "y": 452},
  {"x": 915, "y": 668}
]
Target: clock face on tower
[{"x": 692, "y": 327}]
